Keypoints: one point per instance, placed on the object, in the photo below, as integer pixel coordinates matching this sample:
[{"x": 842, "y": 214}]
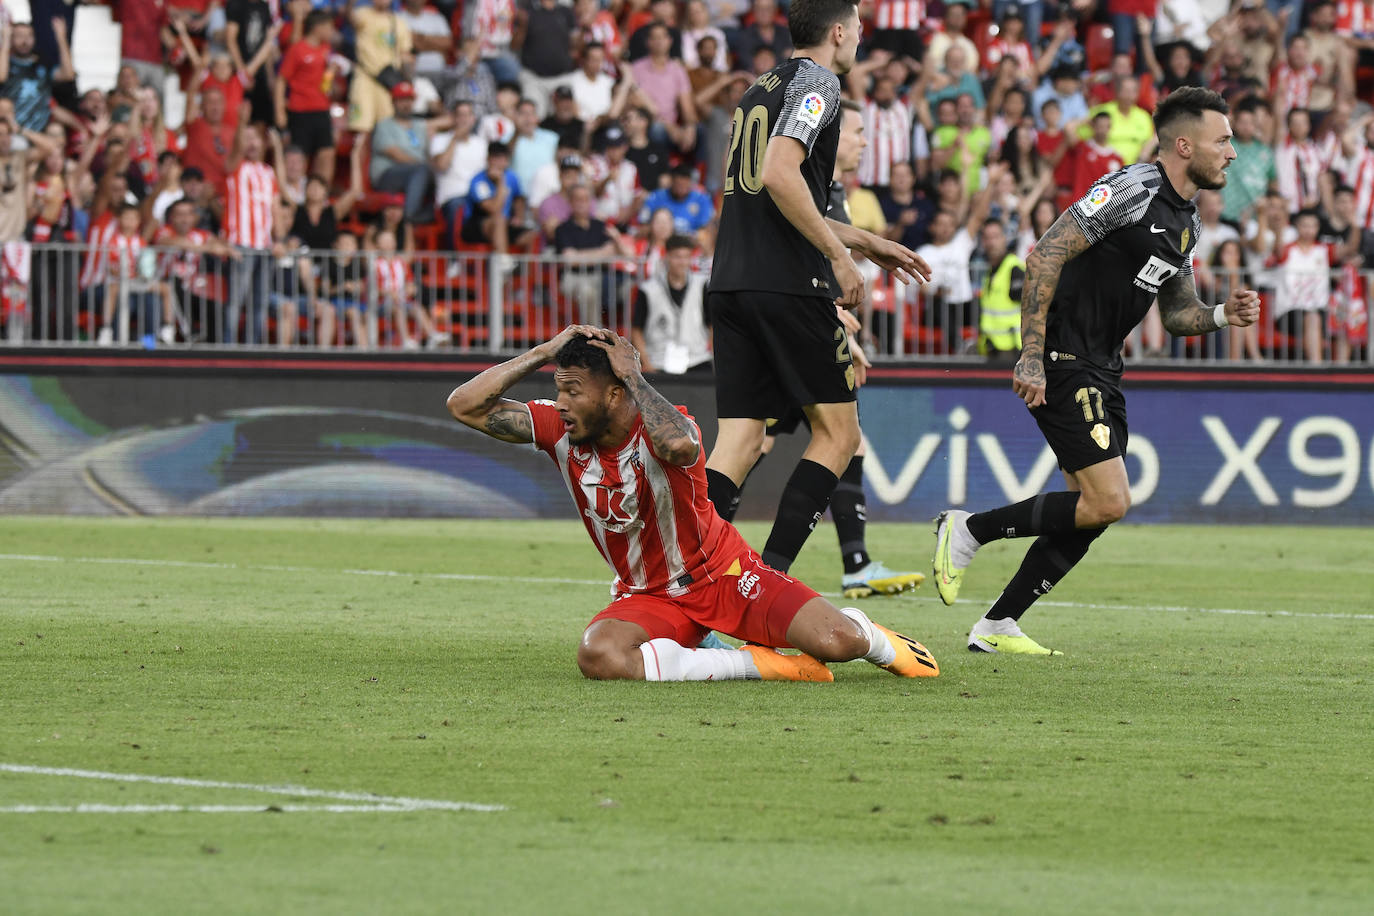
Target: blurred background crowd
[{"x": 373, "y": 173}]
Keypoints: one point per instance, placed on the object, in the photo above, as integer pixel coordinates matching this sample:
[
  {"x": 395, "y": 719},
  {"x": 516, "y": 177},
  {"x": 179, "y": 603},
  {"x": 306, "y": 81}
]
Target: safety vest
[
  {"x": 999, "y": 325},
  {"x": 670, "y": 328}
]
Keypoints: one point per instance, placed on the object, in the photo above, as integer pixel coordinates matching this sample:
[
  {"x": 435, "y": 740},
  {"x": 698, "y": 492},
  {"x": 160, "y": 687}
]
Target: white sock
[
  {"x": 667, "y": 660},
  {"x": 962, "y": 544},
  {"x": 1003, "y": 627},
  {"x": 880, "y": 649}
]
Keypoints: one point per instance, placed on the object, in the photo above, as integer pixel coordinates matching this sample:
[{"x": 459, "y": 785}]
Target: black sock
[
  {"x": 1048, "y": 513},
  {"x": 1049, "y": 559},
  {"x": 803, "y": 503},
  {"x": 850, "y": 513},
  {"x": 723, "y": 493}
]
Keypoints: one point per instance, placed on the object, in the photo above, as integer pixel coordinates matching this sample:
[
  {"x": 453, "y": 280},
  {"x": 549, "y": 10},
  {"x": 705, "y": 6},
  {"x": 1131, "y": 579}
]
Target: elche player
[
  {"x": 634, "y": 466},
  {"x": 1089, "y": 281},
  {"x": 780, "y": 269}
]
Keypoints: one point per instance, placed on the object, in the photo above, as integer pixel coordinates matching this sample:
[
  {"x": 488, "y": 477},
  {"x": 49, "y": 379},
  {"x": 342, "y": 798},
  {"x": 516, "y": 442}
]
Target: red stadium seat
[{"x": 1100, "y": 46}]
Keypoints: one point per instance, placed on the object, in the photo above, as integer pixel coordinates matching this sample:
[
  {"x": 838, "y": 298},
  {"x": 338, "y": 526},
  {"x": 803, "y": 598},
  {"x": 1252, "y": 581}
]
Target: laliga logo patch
[
  {"x": 1097, "y": 199},
  {"x": 812, "y": 107}
]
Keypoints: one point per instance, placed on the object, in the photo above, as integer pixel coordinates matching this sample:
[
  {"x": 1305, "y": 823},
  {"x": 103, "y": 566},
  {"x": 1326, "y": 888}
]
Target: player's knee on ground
[
  {"x": 604, "y": 660},
  {"x": 829, "y": 638}
]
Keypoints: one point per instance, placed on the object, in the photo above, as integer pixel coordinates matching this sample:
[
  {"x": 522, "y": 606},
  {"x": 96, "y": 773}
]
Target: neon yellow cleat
[
  {"x": 913, "y": 659},
  {"x": 1011, "y": 642},
  {"x": 876, "y": 579},
  {"x": 948, "y": 577}
]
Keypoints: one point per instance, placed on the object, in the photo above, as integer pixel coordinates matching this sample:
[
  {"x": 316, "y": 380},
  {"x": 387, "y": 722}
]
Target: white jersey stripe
[{"x": 666, "y": 515}]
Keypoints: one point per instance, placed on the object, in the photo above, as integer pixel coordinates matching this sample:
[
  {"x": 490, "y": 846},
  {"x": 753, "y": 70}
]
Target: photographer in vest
[
  {"x": 999, "y": 321},
  {"x": 669, "y": 324}
]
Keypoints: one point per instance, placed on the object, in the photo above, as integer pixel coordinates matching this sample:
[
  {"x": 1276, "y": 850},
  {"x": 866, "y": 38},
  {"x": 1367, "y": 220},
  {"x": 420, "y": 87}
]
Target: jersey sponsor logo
[
  {"x": 614, "y": 509},
  {"x": 811, "y": 109},
  {"x": 749, "y": 585},
  {"x": 1095, "y": 200},
  {"x": 1101, "y": 435},
  {"x": 1154, "y": 273}
]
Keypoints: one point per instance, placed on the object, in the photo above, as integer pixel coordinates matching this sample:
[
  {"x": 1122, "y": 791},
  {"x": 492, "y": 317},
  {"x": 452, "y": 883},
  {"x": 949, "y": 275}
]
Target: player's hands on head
[
  {"x": 623, "y": 356},
  {"x": 1028, "y": 381},
  {"x": 1243, "y": 307},
  {"x": 571, "y": 331},
  {"x": 850, "y": 280}
]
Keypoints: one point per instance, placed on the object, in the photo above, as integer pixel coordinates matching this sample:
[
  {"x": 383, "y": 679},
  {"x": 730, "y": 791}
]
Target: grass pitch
[{"x": 1204, "y": 745}]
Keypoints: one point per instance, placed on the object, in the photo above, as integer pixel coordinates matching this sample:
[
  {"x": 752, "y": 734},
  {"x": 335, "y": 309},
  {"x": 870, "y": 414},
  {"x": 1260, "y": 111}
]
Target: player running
[
  {"x": 779, "y": 270},
  {"x": 634, "y": 466},
  {"x": 1089, "y": 281}
]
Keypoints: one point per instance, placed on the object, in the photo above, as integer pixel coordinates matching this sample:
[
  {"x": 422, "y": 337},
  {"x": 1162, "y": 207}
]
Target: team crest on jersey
[
  {"x": 1101, "y": 435},
  {"x": 1183, "y": 241},
  {"x": 811, "y": 110},
  {"x": 1095, "y": 200}
]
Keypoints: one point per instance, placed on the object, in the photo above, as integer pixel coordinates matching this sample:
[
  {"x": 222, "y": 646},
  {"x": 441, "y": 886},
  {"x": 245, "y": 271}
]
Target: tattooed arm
[
  {"x": 672, "y": 435},
  {"x": 481, "y": 404},
  {"x": 1061, "y": 243},
  {"x": 1184, "y": 315}
]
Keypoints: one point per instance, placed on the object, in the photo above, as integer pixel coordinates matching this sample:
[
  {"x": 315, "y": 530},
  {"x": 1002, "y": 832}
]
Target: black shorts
[
  {"x": 774, "y": 353},
  {"x": 1083, "y": 417},
  {"x": 312, "y": 131}
]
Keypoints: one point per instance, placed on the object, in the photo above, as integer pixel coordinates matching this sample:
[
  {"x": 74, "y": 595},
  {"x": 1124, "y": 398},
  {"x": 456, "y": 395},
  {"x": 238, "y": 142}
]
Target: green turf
[{"x": 1174, "y": 760}]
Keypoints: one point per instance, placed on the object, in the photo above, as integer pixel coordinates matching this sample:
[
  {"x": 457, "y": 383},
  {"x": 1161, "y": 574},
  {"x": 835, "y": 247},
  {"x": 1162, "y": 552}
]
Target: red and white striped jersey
[
  {"x": 1359, "y": 174},
  {"x": 1299, "y": 166},
  {"x": 651, "y": 520},
  {"x": 250, "y": 192},
  {"x": 899, "y": 14},
  {"x": 178, "y": 262},
  {"x": 1304, "y": 277},
  {"x": 1293, "y": 88},
  {"x": 495, "y": 25},
  {"x": 1355, "y": 18},
  {"x": 96, "y": 264},
  {"x": 391, "y": 275},
  {"x": 889, "y": 140},
  {"x": 999, "y": 48}
]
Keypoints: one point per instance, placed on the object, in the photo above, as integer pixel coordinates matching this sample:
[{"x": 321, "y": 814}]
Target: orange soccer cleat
[
  {"x": 913, "y": 659},
  {"x": 775, "y": 666}
]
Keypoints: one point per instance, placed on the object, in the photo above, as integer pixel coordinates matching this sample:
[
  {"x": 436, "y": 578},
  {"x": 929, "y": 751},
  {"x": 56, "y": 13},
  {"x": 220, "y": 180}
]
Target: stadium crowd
[{"x": 332, "y": 154}]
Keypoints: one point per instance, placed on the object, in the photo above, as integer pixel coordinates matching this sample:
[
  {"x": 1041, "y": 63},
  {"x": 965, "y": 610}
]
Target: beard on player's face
[
  {"x": 1207, "y": 178},
  {"x": 589, "y": 424}
]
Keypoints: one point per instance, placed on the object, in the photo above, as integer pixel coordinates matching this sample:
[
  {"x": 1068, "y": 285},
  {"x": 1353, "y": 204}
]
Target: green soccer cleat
[
  {"x": 1004, "y": 637},
  {"x": 948, "y": 576},
  {"x": 877, "y": 579}
]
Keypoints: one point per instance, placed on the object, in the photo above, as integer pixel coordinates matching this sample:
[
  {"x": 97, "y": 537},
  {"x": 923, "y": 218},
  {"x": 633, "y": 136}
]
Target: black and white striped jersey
[
  {"x": 757, "y": 248},
  {"x": 1142, "y": 233}
]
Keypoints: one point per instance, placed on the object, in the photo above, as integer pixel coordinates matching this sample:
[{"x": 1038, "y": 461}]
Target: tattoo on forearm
[
  {"x": 1062, "y": 242},
  {"x": 671, "y": 433},
  {"x": 1180, "y": 310},
  {"x": 510, "y": 423}
]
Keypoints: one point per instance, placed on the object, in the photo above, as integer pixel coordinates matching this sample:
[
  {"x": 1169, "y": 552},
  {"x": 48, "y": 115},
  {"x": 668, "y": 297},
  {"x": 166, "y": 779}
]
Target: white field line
[
  {"x": 197, "y": 809},
  {"x": 605, "y": 583},
  {"x": 369, "y": 801}
]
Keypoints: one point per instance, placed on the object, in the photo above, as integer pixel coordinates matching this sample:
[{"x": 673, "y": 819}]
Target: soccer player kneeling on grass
[{"x": 634, "y": 466}]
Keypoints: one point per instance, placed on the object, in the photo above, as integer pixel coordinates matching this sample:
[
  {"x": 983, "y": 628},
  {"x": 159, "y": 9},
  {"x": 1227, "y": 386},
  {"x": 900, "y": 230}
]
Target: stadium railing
[{"x": 480, "y": 303}]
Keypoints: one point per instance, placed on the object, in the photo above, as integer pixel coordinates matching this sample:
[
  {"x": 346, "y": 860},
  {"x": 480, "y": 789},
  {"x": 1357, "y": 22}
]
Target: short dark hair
[
  {"x": 497, "y": 148},
  {"x": 678, "y": 240},
  {"x": 180, "y": 202},
  {"x": 1304, "y": 212},
  {"x": 579, "y": 353},
  {"x": 810, "y": 20},
  {"x": 316, "y": 18},
  {"x": 166, "y": 156},
  {"x": 1185, "y": 105},
  {"x": 1342, "y": 188}
]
